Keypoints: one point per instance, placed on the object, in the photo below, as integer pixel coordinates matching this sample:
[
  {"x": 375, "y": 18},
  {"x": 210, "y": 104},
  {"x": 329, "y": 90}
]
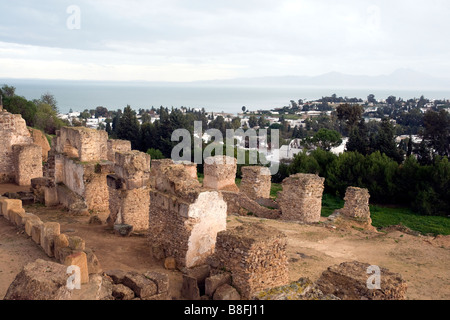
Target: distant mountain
[{"x": 399, "y": 79}]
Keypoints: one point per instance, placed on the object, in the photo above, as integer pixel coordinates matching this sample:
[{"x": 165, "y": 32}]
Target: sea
[{"x": 82, "y": 95}]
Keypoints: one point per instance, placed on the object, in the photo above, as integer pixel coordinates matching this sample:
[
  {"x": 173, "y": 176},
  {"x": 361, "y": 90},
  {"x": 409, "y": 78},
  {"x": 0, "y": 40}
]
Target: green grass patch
[
  {"x": 384, "y": 217},
  {"x": 330, "y": 203},
  {"x": 274, "y": 189}
]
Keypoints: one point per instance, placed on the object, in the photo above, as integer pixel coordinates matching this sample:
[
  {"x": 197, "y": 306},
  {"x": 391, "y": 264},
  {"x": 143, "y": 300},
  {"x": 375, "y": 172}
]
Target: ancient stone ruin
[
  {"x": 356, "y": 204},
  {"x": 20, "y": 158},
  {"x": 301, "y": 198},
  {"x": 185, "y": 222},
  {"x": 256, "y": 182},
  {"x": 220, "y": 173},
  {"x": 129, "y": 193},
  {"x": 348, "y": 281},
  {"x": 184, "y": 218},
  {"x": 255, "y": 255}
]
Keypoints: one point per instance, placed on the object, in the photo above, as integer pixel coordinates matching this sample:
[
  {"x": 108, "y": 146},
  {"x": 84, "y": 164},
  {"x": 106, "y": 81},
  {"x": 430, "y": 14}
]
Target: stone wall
[
  {"x": 301, "y": 198},
  {"x": 356, "y": 204},
  {"x": 256, "y": 182},
  {"x": 82, "y": 143},
  {"x": 184, "y": 218},
  {"x": 220, "y": 173},
  {"x": 129, "y": 190},
  {"x": 255, "y": 255},
  {"x": 117, "y": 146},
  {"x": 27, "y": 163},
  {"x": 13, "y": 131},
  {"x": 40, "y": 139},
  {"x": 86, "y": 179}
]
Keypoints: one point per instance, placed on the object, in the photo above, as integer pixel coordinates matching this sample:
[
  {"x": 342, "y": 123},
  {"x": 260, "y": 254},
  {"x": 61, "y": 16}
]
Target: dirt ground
[{"x": 422, "y": 261}]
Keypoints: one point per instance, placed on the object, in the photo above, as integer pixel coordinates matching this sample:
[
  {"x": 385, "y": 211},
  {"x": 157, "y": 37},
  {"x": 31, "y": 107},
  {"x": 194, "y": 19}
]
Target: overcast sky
[{"x": 187, "y": 40}]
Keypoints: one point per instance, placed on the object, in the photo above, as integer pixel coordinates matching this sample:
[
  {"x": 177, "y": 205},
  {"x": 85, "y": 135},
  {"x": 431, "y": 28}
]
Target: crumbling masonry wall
[
  {"x": 356, "y": 204},
  {"x": 184, "y": 218},
  {"x": 28, "y": 163},
  {"x": 301, "y": 198},
  {"x": 255, "y": 255},
  {"x": 79, "y": 168},
  {"x": 129, "y": 190},
  {"x": 13, "y": 131},
  {"x": 256, "y": 182},
  {"x": 117, "y": 146},
  {"x": 220, "y": 173}
]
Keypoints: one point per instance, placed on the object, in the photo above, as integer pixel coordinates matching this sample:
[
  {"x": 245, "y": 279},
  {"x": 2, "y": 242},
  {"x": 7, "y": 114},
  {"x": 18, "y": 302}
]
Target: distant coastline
[{"x": 225, "y": 95}]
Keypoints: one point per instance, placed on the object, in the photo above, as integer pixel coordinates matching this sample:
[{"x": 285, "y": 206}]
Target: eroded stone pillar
[
  {"x": 356, "y": 204},
  {"x": 256, "y": 182},
  {"x": 129, "y": 190},
  {"x": 220, "y": 173},
  {"x": 301, "y": 198}
]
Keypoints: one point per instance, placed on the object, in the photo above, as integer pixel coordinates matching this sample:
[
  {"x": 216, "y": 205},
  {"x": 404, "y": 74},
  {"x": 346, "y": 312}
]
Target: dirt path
[{"x": 422, "y": 261}]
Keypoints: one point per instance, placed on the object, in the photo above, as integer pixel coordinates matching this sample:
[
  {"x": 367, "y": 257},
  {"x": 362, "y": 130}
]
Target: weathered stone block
[
  {"x": 161, "y": 280},
  {"x": 121, "y": 292},
  {"x": 48, "y": 234},
  {"x": 61, "y": 241},
  {"x": 40, "y": 280},
  {"x": 349, "y": 281},
  {"x": 214, "y": 282},
  {"x": 79, "y": 259},
  {"x": 77, "y": 243},
  {"x": 143, "y": 288},
  {"x": 189, "y": 289},
  {"x": 36, "y": 230},
  {"x": 93, "y": 263},
  {"x": 226, "y": 292},
  {"x": 10, "y": 204},
  {"x": 30, "y": 219}
]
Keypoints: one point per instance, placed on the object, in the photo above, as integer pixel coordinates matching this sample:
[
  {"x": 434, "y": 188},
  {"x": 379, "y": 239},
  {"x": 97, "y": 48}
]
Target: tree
[
  {"x": 437, "y": 131},
  {"x": 351, "y": 114},
  {"x": 46, "y": 119},
  {"x": 48, "y": 98},
  {"x": 371, "y": 98},
  {"x": 262, "y": 122},
  {"x": 385, "y": 142},
  {"x": 252, "y": 121},
  {"x": 128, "y": 127},
  {"x": 8, "y": 91},
  {"x": 358, "y": 139},
  {"x": 155, "y": 154},
  {"x": 326, "y": 139}
]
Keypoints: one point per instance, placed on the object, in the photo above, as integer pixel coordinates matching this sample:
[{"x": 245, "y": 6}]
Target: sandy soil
[{"x": 422, "y": 261}]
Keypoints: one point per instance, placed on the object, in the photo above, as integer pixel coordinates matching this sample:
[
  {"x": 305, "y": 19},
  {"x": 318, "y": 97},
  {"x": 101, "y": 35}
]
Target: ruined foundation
[
  {"x": 255, "y": 255},
  {"x": 301, "y": 198},
  {"x": 256, "y": 182},
  {"x": 184, "y": 219}
]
